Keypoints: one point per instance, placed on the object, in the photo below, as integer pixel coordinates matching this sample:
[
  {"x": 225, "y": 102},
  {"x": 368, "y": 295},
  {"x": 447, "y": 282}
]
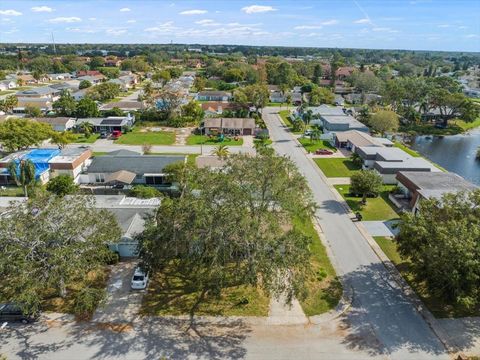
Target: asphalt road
[{"x": 382, "y": 319}]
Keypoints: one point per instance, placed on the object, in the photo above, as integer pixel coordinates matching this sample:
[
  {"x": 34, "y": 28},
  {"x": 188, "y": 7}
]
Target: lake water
[{"x": 454, "y": 153}]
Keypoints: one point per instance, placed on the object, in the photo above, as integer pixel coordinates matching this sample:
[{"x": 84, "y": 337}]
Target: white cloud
[
  {"x": 116, "y": 32},
  {"x": 463, "y": 27},
  {"x": 252, "y": 9},
  {"x": 41, "y": 9},
  {"x": 329, "y": 22},
  {"x": 11, "y": 31},
  {"x": 6, "y": 20},
  {"x": 10, "y": 12},
  {"x": 82, "y": 30},
  {"x": 131, "y": 21},
  {"x": 166, "y": 27},
  {"x": 362, "y": 21},
  {"x": 472, "y": 36},
  {"x": 381, "y": 29},
  {"x": 444, "y": 26},
  {"x": 125, "y": 9},
  {"x": 92, "y": 19},
  {"x": 207, "y": 22},
  {"x": 193, "y": 12},
  {"x": 72, "y": 19},
  {"x": 307, "y": 27}
]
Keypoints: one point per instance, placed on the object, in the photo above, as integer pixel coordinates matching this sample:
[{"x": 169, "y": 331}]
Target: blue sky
[{"x": 380, "y": 24}]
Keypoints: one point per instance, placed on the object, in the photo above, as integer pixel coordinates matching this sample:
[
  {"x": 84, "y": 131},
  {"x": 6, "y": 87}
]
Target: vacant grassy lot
[
  {"x": 81, "y": 139},
  {"x": 171, "y": 294},
  {"x": 379, "y": 208},
  {"x": 438, "y": 306},
  {"x": 312, "y": 146},
  {"x": 324, "y": 288},
  {"x": 205, "y": 140},
  {"x": 137, "y": 137},
  {"x": 337, "y": 167}
]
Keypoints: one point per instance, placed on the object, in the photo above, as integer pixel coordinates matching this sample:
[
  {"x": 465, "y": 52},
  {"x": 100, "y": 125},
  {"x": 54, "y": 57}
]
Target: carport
[{"x": 122, "y": 177}]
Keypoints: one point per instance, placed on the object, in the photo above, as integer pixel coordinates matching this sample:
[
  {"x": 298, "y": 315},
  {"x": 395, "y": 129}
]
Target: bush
[
  {"x": 62, "y": 185},
  {"x": 86, "y": 301},
  {"x": 144, "y": 192}
]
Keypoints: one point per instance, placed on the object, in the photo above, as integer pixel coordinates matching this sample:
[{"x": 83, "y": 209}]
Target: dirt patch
[{"x": 115, "y": 327}]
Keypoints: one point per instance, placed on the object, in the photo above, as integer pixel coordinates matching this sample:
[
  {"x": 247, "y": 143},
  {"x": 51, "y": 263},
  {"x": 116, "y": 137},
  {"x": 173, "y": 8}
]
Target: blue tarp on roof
[{"x": 39, "y": 158}]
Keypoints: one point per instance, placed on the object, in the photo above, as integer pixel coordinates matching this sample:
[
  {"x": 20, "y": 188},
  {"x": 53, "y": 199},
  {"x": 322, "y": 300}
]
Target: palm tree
[
  {"x": 26, "y": 177},
  {"x": 221, "y": 151},
  {"x": 315, "y": 134},
  {"x": 86, "y": 128},
  {"x": 307, "y": 117}
]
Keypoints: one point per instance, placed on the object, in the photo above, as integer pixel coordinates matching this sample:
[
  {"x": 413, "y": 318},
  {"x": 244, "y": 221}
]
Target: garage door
[{"x": 125, "y": 249}]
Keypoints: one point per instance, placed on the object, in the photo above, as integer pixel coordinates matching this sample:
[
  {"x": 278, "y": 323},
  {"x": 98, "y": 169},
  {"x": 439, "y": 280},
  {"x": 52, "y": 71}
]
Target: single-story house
[
  {"x": 46, "y": 92},
  {"x": 129, "y": 168},
  {"x": 79, "y": 94},
  {"x": 124, "y": 106},
  {"x": 337, "y": 123},
  {"x": 109, "y": 124},
  {"x": 356, "y": 98},
  {"x": 209, "y": 161},
  {"x": 44, "y": 104},
  {"x": 87, "y": 73},
  {"x": 40, "y": 159},
  {"x": 388, "y": 161},
  {"x": 60, "y": 76},
  {"x": 70, "y": 161},
  {"x": 215, "y": 108},
  {"x": 26, "y": 79},
  {"x": 70, "y": 86},
  {"x": 297, "y": 98},
  {"x": 415, "y": 186},
  {"x": 213, "y": 96},
  {"x": 7, "y": 85},
  {"x": 58, "y": 123},
  {"x": 352, "y": 139},
  {"x": 94, "y": 79},
  {"x": 277, "y": 97},
  {"x": 229, "y": 126}
]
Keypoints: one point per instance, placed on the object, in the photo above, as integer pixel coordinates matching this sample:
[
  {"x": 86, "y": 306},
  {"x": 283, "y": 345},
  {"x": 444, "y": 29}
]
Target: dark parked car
[
  {"x": 12, "y": 312},
  {"x": 103, "y": 135}
]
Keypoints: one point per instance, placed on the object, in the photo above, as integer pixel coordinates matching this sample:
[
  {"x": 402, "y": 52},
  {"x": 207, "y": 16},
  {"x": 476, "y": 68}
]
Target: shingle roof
[
  {"x": 230, "y": 123},
  {"x": 437, "y": 181},
  {"x": 138, "y": 164}
]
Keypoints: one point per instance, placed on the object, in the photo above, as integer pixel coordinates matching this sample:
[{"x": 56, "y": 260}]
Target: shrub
[
  {"x": 86, "y": 301},
  {"x": 144, "y": 192}
]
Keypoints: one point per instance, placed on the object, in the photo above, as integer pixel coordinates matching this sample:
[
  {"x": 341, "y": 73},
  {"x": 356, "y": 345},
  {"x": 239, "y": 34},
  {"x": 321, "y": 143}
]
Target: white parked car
[{"x": 139, "y": 279}]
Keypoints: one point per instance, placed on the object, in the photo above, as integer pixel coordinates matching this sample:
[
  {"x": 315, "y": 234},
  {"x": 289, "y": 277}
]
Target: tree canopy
[
  {"x": 49, "y": 242},
  {"x": 443, "y": 243},
  {"x": 234, "y": 227},
  {"x": 17, "y": 134}
]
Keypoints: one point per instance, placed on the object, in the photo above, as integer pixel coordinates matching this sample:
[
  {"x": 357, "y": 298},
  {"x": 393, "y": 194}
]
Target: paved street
[{"x": 384, "y": 321}]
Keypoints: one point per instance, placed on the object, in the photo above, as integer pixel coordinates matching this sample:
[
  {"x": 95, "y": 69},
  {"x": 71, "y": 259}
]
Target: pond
[{"x": 455, "y": 153}]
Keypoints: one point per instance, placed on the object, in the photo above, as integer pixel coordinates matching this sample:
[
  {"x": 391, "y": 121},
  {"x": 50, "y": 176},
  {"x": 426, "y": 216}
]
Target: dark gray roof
[
  {"x": 438, "y": 181},
  {"x": 123, "y": 152},
  {"x": 138, "y": 164}
]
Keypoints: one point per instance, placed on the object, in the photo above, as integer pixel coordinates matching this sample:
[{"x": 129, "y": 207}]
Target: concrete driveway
[{"x": 122, "y": 303}]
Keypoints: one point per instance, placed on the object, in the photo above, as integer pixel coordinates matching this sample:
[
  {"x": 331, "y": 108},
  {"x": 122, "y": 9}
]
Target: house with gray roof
[
  {"x": 388, "y": 161},
  {"x": 337, "y": 123},
  {"x": 213, "y": 96},
  {"x": 129, "y": 168},
  {"x": 414, "y": 186},
  {"x": 109, "y": 124}
]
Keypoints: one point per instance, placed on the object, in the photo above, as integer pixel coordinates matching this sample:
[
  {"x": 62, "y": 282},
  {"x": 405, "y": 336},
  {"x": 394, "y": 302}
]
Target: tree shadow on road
[
  {"x": 153, "y": 338},
  {"x": 383, "y": 321}
]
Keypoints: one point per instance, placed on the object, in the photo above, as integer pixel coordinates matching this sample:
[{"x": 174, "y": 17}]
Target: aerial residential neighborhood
[{"x": 235, "y": 180}]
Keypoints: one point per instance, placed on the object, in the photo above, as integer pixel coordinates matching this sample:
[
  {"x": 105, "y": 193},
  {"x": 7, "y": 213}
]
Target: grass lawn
[
  {"x": 312, "y": 146},
  {"x": 191, "y": 158},
  {"x": 99, "y": 153},
  {"x": 12, "y": 191},
  {"x": 284, "y": 116},
  {"x": 170, "y": 294},
  {"x": 268, "y": 141},
  {"x": 205, "y": 140},
  {"x": 81, "y": 139},
  {"x": 324, "y": 288},
  {"x": 430, "y": 129},
  {"x": 438, "y": 306},
  {"x": 379, "y": 208},
  {"x": 406, "y": 149},
  {"x": 6, "y": 92},
  {"x": 337, "y": 167},
  {"x": 137, "y": 137},
  {"x": 468, "y": 125}
]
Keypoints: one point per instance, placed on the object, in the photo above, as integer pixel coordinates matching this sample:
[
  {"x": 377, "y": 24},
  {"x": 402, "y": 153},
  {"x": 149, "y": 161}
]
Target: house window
[
  {"x": 154, "y": 180},
  {"x": 99, "y": 178}
]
